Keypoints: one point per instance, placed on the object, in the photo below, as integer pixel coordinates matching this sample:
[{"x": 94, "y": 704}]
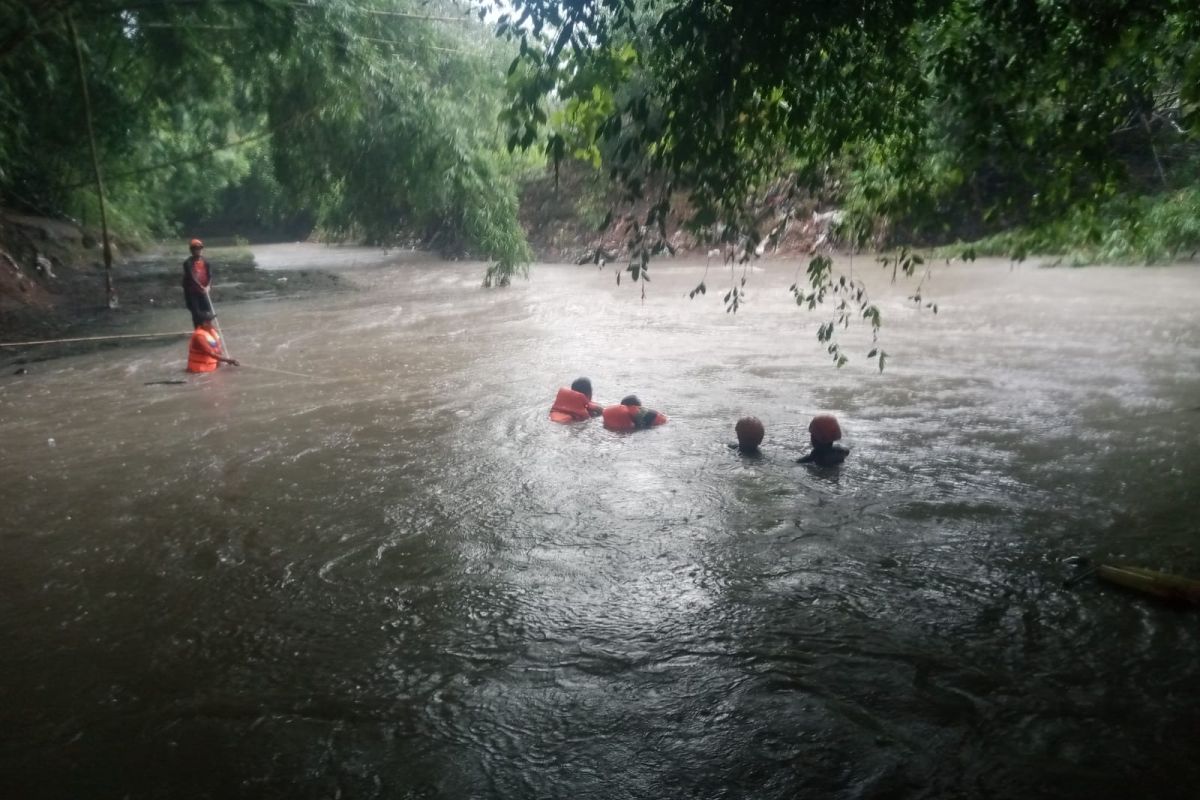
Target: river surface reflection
[{"x": 395, "y": 578}]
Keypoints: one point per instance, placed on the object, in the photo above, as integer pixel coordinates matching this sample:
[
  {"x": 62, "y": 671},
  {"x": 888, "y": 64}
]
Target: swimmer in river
[
  {"x": 629, "y": 415},
  {"x": 823, "y": 431},
  {"x": 575, "y": 404},
  {"x": 750, "y": 433}
]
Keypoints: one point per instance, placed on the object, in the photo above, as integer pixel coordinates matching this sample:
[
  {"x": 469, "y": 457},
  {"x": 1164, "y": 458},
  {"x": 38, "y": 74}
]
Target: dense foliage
[
  {"x": 372, "y": 119},
  {"x": 1046, "y": 125},
  {"x": 922, "y": 119},
  {"x": 1025, "y": 109}
]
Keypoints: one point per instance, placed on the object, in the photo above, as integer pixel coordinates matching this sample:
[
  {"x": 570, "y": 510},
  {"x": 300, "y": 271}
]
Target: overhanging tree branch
[{"x": 201, "y": 154}]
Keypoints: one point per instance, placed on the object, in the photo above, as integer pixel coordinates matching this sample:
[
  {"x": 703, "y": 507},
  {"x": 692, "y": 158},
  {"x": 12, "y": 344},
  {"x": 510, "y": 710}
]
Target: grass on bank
[{"x": 1162, "y": 229}]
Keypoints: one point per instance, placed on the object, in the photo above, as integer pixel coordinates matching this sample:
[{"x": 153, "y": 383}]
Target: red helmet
[
  {"x": 749, "y": 432},
  {"x": 195, "y": 243},
  {"x": 824, "y": 429}
]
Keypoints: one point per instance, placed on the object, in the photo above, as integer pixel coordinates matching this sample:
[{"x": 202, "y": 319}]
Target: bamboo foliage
[{"x": 370, "y": 118}]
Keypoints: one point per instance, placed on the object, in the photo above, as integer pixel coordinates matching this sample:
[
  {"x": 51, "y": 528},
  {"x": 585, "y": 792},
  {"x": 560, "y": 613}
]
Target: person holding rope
[
  {"x": 206, "y": 351},
  {"x": 197, "y": 278}
]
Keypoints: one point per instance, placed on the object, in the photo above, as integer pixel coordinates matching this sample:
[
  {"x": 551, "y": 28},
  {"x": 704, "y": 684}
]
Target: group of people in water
[
  {"x": 574, "y": 404},
  {"x": 206, "y": 352}
]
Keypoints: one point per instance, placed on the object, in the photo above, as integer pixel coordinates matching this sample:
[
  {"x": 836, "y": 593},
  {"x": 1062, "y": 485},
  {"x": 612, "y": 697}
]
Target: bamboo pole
[{"x": 110, "y": 290}]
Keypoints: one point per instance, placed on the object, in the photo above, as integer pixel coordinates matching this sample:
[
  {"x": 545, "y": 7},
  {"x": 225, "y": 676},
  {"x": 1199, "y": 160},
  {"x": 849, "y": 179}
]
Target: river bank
[
  {"x": 52, "y": 280},
  {"x": 52, "y": 287}
]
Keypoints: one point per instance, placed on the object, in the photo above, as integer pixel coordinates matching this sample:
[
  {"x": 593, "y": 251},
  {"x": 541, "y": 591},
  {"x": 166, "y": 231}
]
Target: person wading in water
[
  {"x": 823, "y": 431},
  {"x": 575, "y": 404},
  {"x": 206, "y": 352},
  {"x": 750, "y": 432}
]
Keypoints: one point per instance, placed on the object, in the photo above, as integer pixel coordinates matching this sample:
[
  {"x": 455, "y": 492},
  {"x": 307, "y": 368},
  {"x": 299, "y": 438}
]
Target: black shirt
[{"x": 828, "y": 455}]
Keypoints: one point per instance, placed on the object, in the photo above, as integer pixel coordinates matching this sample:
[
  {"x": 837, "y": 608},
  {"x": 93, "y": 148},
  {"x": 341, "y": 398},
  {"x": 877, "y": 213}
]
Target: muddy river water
[{"x": 366, "y": 565}]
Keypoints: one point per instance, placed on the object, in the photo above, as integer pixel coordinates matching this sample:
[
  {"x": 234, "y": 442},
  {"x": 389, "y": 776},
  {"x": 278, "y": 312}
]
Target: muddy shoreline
[{"x": 71, "y": 304}]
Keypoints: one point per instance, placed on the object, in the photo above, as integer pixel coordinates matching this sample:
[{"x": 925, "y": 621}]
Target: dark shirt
[
  {"x": 644, "y": 418},
  {"x": 829, "y": 455},
  {"x": 197, "y": 280}
]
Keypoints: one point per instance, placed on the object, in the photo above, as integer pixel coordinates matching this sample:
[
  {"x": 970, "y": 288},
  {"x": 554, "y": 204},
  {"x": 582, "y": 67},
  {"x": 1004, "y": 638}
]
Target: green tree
[
  {"x": 373, "y": 117},
  {"x": 1019, "y": 111}
]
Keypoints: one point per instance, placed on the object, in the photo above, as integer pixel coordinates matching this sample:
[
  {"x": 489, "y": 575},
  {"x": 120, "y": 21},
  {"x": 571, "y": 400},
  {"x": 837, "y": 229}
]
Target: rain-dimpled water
[{"x": 366, "y": 564}]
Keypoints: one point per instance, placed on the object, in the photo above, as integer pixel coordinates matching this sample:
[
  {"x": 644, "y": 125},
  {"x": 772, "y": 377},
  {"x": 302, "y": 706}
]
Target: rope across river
[
  {"x": 163, "y": 335},
  {"x": 96, "y": 338}
]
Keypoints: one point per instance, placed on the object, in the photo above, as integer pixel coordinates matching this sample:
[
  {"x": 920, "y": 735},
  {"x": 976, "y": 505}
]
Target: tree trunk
[{"x": 110, "y": 290}]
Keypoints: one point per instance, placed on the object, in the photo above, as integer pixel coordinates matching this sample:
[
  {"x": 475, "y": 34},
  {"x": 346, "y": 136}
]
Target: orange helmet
[
  {"x": 195, "y": 243},
  {"x": 824, "y": 429},
  {"x": 749, "y": 432}
]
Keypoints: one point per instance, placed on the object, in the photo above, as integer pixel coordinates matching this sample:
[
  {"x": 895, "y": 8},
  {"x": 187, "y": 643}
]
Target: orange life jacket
[
  {"x": 625, "y": 418},
  {"x": 203, "y": 350},
  {"x": 571, "y": 406}
]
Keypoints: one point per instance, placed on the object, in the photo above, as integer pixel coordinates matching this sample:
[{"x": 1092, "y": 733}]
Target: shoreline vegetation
[
  {"x": 1126, "y": 231},
  {"x": 52, "y": 289},
  {"x": 622, "y": 132}
]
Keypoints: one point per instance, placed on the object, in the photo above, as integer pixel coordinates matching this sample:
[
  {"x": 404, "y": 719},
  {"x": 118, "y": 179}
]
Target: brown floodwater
[{"x": 395, "y": 578}]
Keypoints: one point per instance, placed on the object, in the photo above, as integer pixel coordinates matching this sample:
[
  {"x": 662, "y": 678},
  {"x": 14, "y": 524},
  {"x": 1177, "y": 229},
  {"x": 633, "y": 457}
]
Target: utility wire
[
  {"x": 407, "y": 15},
  {"x": 410, "y": 44}
]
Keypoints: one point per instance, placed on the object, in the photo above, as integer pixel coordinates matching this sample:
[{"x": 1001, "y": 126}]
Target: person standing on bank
[{"x": 197, "y": 278}]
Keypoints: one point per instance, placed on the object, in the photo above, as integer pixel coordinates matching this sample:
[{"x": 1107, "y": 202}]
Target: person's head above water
[
  {"x": 583, "y": 386},
  {"x": 750, "y": 434},
  {"x": 630, "y": 414},
  {"x": 824, "y": 430}
]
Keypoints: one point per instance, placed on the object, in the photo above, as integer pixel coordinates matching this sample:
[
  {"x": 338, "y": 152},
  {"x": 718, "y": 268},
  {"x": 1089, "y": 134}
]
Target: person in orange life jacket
[
  {"x": 197, "y": 278},
  {"x": 575, "y": 404},
  {"x": 205, "y": 351},
  {"x": 630, "y": 416},
  {"x": 750, "y": 432},
  {"x": 823, "y": 431}
]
